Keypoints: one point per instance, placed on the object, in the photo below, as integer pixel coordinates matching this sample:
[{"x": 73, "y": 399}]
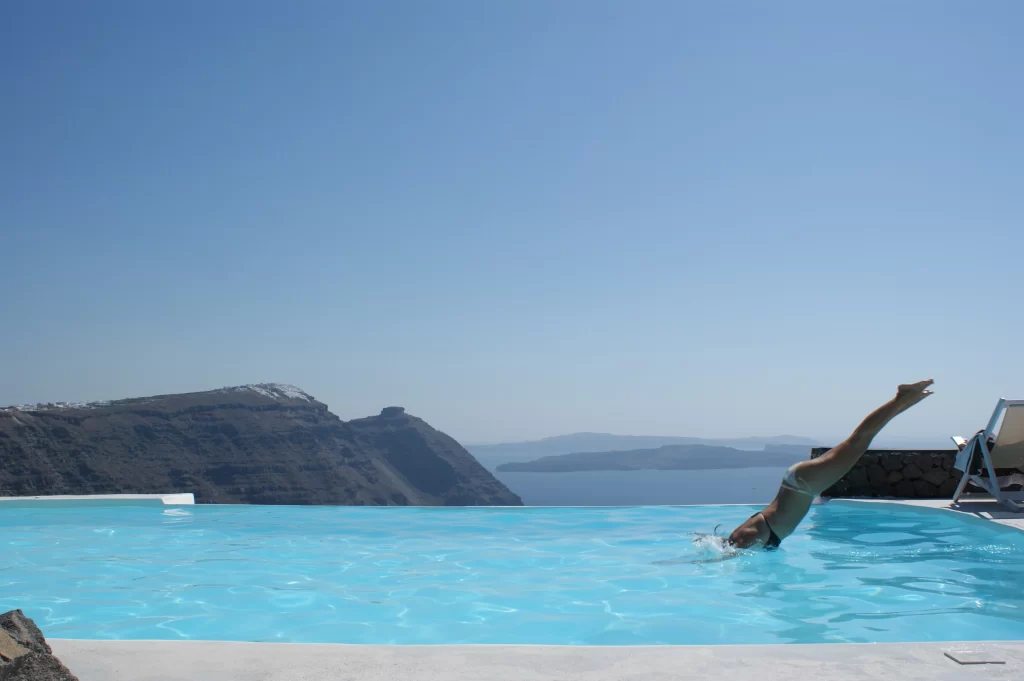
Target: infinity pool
[{"x": 595, "y": 576}]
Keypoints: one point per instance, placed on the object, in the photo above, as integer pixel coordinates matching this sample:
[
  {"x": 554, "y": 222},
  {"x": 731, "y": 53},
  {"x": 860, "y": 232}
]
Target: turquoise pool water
[{"x": 598, "y": 576}]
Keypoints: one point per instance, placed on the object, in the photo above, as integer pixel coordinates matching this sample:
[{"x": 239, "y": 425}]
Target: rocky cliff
[{"x": 260, "y": 444}]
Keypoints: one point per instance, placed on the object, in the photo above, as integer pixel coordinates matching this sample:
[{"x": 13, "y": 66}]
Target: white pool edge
[{"x": 79, "y": 500}]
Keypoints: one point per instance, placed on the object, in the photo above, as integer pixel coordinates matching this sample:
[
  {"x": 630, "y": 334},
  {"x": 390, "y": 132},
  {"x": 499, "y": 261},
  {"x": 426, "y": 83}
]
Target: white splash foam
[{"x": 712, "y": 545}]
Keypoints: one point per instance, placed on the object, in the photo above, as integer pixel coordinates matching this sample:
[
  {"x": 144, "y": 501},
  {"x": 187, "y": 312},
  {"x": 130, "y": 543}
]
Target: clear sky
[{"x": 519, "y": 218}]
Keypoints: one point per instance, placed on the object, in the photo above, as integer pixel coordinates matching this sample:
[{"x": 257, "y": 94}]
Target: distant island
[
  {"x": 667, "y": 457},
  {"x": 493, "y": 456},
  {"x": 254, "y": 444}
]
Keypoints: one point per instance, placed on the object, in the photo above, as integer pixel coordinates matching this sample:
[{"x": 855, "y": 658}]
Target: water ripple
[{"x": 615, "y": 576}]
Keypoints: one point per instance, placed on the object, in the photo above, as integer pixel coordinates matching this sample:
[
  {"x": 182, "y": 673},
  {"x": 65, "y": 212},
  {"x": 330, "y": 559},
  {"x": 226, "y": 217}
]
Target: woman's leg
[{"x": 819, "y": 474}]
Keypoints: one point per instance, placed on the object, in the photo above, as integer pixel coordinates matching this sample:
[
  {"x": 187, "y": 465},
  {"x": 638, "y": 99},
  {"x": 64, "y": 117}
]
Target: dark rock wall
[{"x": 917, "y": 474}]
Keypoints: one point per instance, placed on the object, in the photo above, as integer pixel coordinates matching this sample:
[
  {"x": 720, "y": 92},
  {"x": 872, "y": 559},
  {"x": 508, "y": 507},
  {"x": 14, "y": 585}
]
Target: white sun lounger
[{"x": 1005, "y": 451}]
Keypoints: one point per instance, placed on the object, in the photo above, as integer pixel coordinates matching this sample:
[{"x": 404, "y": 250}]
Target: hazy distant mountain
[
  {"x": 796, "y": 450},
  {"x": 668, "y": 457},
  {"x": 493, "y": 455}
]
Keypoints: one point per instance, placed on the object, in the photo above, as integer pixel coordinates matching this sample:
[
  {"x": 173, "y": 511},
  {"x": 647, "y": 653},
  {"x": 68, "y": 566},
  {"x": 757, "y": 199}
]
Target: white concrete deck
[
  {"x": 222, "y": 661},
  {"x": 101, "y": 500}
]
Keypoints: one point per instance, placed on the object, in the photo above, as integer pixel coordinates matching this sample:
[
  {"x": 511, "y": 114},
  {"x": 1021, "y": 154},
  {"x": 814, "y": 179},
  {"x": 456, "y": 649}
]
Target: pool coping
[{"x": 57, "y": 500}]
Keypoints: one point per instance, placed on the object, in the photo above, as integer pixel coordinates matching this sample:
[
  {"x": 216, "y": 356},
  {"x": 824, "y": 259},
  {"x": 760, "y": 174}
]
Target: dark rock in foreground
[
  {"x": 24, "y": 631},
  {"x": 261, "y": 444},
  {"x": 36, "y": 667},
  {"x": 24, "y": 653}
]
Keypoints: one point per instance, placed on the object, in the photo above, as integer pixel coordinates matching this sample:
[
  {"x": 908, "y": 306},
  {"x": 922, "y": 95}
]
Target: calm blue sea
[{"x": 645, "y": 488}]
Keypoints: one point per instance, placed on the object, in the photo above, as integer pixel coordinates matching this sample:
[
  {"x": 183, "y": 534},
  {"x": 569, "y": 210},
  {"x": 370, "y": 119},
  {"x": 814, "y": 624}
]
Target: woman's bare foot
[{"x": 910, "y": 394}]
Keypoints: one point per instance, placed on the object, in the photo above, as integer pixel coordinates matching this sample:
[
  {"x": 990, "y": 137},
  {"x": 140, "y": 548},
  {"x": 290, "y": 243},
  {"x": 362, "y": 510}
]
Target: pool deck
[
  {"x": 233, "y": 661},
  {"x": 223, "y": 661}
]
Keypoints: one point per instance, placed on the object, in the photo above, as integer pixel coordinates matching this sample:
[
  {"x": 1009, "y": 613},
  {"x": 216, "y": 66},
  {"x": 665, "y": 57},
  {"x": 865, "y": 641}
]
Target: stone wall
[{"x": 909, "y": 474}]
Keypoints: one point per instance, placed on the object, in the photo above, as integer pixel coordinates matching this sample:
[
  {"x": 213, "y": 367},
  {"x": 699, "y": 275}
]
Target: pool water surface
[{"x": 574, "y": 576}]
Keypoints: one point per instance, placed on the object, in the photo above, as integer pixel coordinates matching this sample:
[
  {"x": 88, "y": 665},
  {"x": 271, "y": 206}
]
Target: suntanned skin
[{"x": 817, "y": 475}]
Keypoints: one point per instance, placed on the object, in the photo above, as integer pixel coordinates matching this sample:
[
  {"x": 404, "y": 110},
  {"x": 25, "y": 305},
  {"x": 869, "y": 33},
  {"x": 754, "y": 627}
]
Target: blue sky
[{"x": 519, "y": 219}]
